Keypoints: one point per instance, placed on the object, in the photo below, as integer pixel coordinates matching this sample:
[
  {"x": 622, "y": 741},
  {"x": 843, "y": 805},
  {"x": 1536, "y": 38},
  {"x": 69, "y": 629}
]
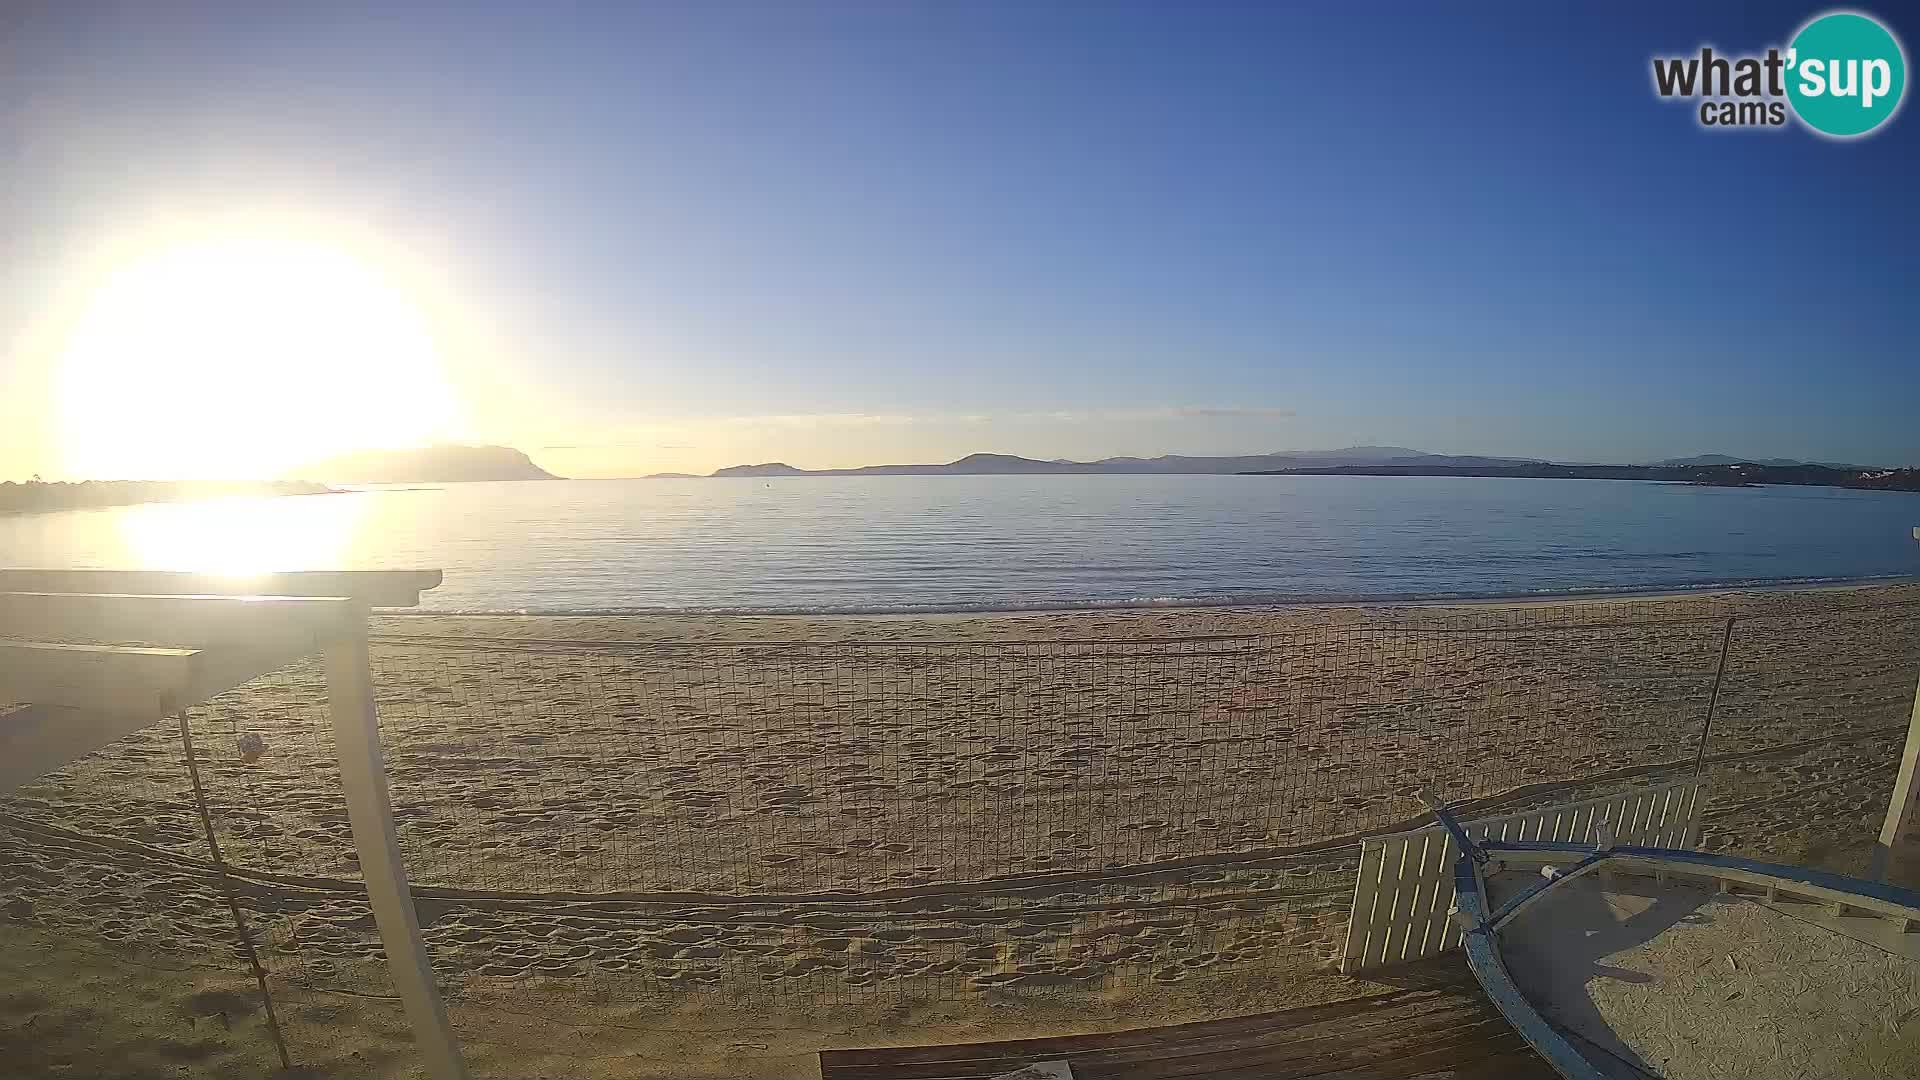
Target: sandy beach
[{"x": 704, "y": 845}]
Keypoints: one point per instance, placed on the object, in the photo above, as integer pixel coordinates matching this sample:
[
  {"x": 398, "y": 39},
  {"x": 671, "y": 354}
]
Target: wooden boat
[{"x": 1629, "y": 961}]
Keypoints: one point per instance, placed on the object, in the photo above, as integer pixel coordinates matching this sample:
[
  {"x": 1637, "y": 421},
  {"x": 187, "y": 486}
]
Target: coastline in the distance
[
  {"x": 38, "y": 496},
  {"x": 1714, "y": 470}
]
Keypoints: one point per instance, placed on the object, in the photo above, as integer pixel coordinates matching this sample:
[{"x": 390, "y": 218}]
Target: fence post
[
  {"x": 1904, "y": 808},
  {"x": 1713, "y": 699},
  {"x": 363, "y": 772}
]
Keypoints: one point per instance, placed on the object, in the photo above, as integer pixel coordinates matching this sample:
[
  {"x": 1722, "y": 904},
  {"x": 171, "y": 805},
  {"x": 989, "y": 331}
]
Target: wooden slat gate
[{"x": 1405, "y": 885}]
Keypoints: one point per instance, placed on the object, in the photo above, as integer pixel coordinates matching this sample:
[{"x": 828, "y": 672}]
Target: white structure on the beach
[
  {"x": 1405, "y": 884},
  {"x": 63, "y": 653},
  {"x": 1902, "y": 826}
]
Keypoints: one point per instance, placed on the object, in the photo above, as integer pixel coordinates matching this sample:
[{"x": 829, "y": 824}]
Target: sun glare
[
  {"x": 245, "y": 357},
  {"x": 243, "y": 536}
]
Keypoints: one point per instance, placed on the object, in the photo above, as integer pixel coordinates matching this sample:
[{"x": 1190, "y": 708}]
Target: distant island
[
  {"x": 39, "y": 495},
  {"x": 1727, "y": 459},
  {"x": 1717, "y": 470},
  {"x": 1739, "y": 474},
  {"x": 444, "y": 464},
  {"x": 1010, "y": 465}
]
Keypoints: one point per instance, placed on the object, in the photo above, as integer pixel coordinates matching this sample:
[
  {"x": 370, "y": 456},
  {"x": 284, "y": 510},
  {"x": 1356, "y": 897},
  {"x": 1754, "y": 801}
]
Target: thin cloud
[
  {"x": 1214, "y": 411},
  {"x": 823, "y": 420},
  {"x": 1171, "y": 412},
  {"x": 1074, "y": 416}
]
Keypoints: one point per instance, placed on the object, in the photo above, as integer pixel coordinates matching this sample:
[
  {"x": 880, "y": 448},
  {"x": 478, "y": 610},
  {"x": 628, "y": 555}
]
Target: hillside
[
  {"x": 1727, "y": 459},
  {"x": 425, "y": 465},
  {"x": 1740, "y": 475},
  {"x": 1012, "y": 465}
]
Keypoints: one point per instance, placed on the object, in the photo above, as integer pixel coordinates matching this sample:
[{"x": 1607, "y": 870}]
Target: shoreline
[
  {"x": 1171, "y": 624},
  {"x": 1275, "y": 604}
]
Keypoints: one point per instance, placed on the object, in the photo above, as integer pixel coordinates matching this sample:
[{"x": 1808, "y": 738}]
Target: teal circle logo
[{"x": 1846, "y": 74}]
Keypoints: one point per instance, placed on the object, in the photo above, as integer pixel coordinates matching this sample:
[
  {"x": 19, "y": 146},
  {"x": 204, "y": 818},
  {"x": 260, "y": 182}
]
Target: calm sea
[{"x": 892, "y": 543}]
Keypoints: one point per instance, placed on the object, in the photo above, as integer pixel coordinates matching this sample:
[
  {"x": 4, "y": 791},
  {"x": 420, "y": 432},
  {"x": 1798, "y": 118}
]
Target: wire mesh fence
[
  {"x": 832, "y": 821},
  {"x": 130, "y": 947},
  {"x": 596, "y": 823},
  {"x": 837, "y": 769}
]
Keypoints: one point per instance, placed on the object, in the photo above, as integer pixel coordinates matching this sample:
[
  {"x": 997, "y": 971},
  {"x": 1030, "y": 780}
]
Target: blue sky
[{"x": 681, "y": 236}]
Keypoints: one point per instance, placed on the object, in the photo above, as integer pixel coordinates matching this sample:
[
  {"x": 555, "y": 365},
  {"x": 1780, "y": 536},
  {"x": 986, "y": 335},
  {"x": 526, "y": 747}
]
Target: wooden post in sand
[{"x": 363, "y": 772}]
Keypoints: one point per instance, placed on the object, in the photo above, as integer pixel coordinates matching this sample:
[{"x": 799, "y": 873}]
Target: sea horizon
[{"x": 983, "y": 544}]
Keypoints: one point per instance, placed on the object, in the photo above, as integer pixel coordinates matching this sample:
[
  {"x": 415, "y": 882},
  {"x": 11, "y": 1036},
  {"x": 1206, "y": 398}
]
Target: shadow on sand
[{"x": 1558, "y": 949}]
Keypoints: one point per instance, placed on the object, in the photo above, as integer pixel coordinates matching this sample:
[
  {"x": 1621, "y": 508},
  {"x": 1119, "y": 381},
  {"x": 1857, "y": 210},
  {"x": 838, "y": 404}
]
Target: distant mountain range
[
  {"x": 1010, "y": 465},
  {"x": 453, "y": 464},
  {"x": 1717, "y": 470},
  {"x": 424, "y": 465},
  {"x": 456, "y": 464},
  {"x": 1397, "y": 459},
  {"x": 1778, "y": 462},
  {"x": 1743, "y": 474}
]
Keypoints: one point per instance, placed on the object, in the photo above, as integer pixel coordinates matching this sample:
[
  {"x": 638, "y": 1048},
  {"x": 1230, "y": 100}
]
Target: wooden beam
[
  {"x": 176, "y": 621},
  {"x": 377, "y": 588},
  {"x": 143, "y": 684},
  {"x": 114, "y": 679},
  {"x": 42, "y": 737},
  {"x": 38, "y": 739},
  {"x": 85, "y": 696}
]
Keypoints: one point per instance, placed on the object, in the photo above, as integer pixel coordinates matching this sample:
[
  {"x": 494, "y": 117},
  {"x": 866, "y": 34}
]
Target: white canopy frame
[
  {"x": 66, "y": 652},
  {"x": 1900, "y": 833}
]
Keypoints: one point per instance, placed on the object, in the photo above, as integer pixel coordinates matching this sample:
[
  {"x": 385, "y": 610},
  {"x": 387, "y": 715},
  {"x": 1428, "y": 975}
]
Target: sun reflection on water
[{"x": 242, "y": 537}]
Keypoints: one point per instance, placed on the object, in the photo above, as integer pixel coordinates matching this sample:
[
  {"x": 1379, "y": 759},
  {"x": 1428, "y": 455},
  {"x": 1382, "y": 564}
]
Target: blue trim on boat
[
  {"x": 1460, "y": 838},
  {"x": 1483, "y": 956}
]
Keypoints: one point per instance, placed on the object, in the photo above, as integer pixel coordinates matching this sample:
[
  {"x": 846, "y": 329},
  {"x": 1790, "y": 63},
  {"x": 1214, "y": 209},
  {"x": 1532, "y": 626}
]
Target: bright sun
[{"x": 244, "y": 357}]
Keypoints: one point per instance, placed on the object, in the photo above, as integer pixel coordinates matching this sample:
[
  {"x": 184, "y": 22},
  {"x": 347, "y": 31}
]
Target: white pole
[
  {"x": 356, "y": 736},
  {"x": 1903, "y": 810}
]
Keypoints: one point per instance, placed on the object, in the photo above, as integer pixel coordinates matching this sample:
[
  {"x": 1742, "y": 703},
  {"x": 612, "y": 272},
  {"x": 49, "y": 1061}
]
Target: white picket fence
[{"x": 1405, "y": 885}]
